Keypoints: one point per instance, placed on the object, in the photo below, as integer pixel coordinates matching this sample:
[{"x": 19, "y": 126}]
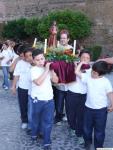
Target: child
[
  {"x": 96, "y": 106},
  {"x": 75, "y": 102},
  {"x": 42, "y": 98},
  {"x": 12, "y": 54},
  {"x": 19, "y": 56},
  {"x": 5, "y": 63},
  {"x": 21, "y": 75}
]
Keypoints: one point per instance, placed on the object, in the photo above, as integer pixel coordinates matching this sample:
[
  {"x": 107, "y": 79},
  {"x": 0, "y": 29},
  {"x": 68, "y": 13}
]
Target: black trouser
[
  {"x": 75, "y": 104},
  {"x": 95, "y": 119},
  {"x": 11, "y": 75},
  {"x": 59, "y": 97},
  {"x": 23, "y": 103}
]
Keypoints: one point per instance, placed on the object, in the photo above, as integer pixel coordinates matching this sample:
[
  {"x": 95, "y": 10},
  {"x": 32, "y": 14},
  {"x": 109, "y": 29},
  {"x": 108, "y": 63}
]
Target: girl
[{"x": 5, "y": 62}]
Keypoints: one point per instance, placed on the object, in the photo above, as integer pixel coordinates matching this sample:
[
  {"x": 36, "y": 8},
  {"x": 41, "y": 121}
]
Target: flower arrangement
[
  {"x": 39, "y": 45},
  {"x": 62, "y": 62},
  {"x": 57, "y": 54}
]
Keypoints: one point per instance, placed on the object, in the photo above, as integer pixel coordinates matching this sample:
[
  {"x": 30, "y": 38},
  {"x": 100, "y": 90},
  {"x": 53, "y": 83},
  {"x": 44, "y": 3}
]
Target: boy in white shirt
[
  {"x": 21, "y": 75},
  {"x": 75, "y": 101},
  {"x": 99, "y": 89},
  {"x": 42, "y": 98},
  {"x": 18, "y": 57}
]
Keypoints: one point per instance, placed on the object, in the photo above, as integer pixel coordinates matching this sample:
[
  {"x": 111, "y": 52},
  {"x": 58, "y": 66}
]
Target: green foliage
[
  {"x": 54, "y": 54},
  {"x": 39, "y": 45},
  {"x": 15, "y": 29},
  {"x": 95, "y": 51},
  {"x": 31, "y": 26},
  {"x": 77, "y": 23},
  {"x": 43, "y": 28}
]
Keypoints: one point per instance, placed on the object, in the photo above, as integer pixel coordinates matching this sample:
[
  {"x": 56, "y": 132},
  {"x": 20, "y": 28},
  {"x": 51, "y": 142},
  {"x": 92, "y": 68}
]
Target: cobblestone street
[{"x": 12, "y": 137}]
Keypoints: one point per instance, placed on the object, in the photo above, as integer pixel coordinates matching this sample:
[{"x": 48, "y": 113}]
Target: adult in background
[{"x": 60, "y": 90}]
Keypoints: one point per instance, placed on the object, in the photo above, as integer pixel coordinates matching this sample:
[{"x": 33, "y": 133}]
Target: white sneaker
[
  {"x": 59, "y": 123},
  {"x": 72, "y": 132},
  {"x": 6, "y": 88},
  {"x": 64, "y": 118},
  {"x": 81, "y": 140},
  {"x": 24, "y": 126}
]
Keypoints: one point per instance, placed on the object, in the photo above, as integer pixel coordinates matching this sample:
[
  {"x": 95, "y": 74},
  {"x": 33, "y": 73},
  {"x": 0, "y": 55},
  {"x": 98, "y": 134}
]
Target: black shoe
[
  {"x": 40, "y": 136},
  {"x": 34, "y": 140},
  {"x": 57, "y": 120},
  {"x": 88, "y": 146},
  {"x": 28, "y": 131},
  {"x": 48, "y": 147}
]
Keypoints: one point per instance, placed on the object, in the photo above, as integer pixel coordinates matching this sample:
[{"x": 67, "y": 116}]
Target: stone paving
[{"x": 12, "y": 137}]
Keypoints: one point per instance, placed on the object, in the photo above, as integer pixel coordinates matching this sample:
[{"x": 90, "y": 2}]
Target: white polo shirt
[
  {"x": 44, "y": 91},
  {"x": 22, "y": 70},
  {"x": 97, "y": 91},
  {"x": 15, "y": 56},
  {"x": 11, "y": 53},
  {"x": 30, "y": 83},
  {"x": 7, "y": 56},
  {"x": 78, "y": 86}
]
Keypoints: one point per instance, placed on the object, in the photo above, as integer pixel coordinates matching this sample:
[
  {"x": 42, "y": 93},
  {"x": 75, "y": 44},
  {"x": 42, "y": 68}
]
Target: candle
[
  {"x": 34, "y": 44},
  {"x": 45, "y": 46},
  {"x": 58, "y": 44},
  {"x": 74, "y": 47}
]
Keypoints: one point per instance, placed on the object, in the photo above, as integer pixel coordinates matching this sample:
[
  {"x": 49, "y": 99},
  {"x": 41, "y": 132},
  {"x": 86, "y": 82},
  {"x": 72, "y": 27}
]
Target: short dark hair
[
  {"x": 101, "y": 67},
  {"x": 85, "y": 51},
  {"x": 29, "y": 49},
  {"x": 37, "y": 52},
  {"x": 16, "y": 48},
  {"x": 21, "y": 49},
  {"x": 1, "y": 45}
]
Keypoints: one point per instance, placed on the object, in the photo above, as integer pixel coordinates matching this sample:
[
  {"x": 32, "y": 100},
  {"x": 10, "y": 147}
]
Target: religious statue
[
  {"x": 63, "y": 59},
  {"x": 52, "y": 41}
]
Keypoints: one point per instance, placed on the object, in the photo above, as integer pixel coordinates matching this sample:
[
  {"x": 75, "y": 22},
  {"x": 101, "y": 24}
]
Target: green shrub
[
  {"x": 77, "y": 23},
  {"x": 31, "y": 27},
  {"x": 95, "y": 51},
  {"x": 15, "y": 29}
]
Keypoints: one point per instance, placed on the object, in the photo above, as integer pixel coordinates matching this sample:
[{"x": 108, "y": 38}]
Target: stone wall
[
  {"x": 13, "y": 9},
  {"x": 99, "y": 11}
]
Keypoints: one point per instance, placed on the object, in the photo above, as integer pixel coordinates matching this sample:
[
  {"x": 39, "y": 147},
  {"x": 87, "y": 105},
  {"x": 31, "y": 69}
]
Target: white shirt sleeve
[
  {"x": 1, "y": 54},
  {"x": 84, "y": 77},
  {"x": 10, "y": 53},
  {"x": 15, "y": 57},
  {"x": 108, "y": 87},
  {"x": 17, "y": 70}
]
